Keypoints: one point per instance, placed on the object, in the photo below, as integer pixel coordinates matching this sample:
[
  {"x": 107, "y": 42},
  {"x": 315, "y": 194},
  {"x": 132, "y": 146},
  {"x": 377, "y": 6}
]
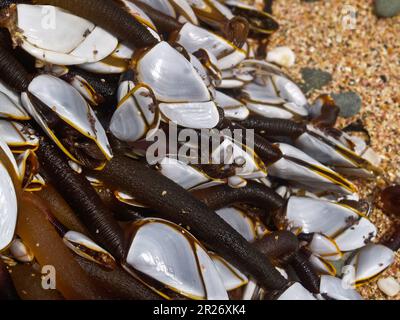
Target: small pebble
[
  {"x": 387, "y": 8},
  {"x": 282, "y": 56},
  {"x": 348, "y": 102},
  {"x": 389, "y": 286},
  {"x": 314, "y": 79}
]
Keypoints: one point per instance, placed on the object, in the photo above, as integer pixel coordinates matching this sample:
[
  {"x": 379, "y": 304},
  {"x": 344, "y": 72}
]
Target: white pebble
[
  {"x": 282, "y": 56},
  {"x": 389, "y": 286}
]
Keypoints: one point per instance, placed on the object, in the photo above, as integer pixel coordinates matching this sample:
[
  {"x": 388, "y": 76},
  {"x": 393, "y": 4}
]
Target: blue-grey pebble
[
  {"x": 387, "y": 8},
  {"x": 348, "y": 102}
]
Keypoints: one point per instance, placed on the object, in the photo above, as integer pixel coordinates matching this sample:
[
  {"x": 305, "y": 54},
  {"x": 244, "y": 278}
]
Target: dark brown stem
[
  {"x": 111, "y": 17},
  {"x": 118, "y": 283},
  {"x": 271, "y": 127},
  {"x": 253, "y": 193},
  {"x": 304, "y": 270},
  {"x": 279, "y": 246},
  {"x": 82, "y": 198},
  {"x": 174, "y": 203},
  {"x": 12, "y": 72}
]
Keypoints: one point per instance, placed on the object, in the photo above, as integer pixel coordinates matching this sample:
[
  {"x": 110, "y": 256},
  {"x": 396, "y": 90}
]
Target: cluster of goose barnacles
[{"x": 85, "y": 83}]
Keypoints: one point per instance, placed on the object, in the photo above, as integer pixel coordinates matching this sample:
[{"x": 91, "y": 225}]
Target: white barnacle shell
[
  {"x": 10, "y": 106},
  {"x": 66, "y": 102},
  {"x": 270, "y": 111},
  {"x": 276, "y": 90},
  {"x": 116, "y": 63},
  {"x": 27, "y": 166},
  {"x": 325, "y": 247},
  {"x": 370, "y": 261},
  {"x": 296, "y": 292},
  {"x": 195, "y": 115},
  {"x": 21, "y": 252},
  {"x": 173, "y": 257},
  {"x": 184, "y": 174},
  {"x": 356, "y": 236},
  {"x": 306, "y": 171},
  {"x": 8, "y": 196},
  {"x": 136, "y": 114},
  {"x": 182, "y": 95},
  {"x": 164, "y": 6},
  {"x": 184, "y": 11},
  {"x": 88, "y": 249},
  {"x": 138, "y": 13},
  {"x": 334, "y": 288},
  {"x": 322, "y": 266},
  {"x": 275, "y": 83},
  {"x": 193, "y": 38},
  {"x": 233, "y": 109},
  {"x": 17, "y": 137},
  {"x": 42, "y": 30},
  {"x": 171, "y": 76},
  {"x": 11, "y": 110},
  {"x": 319, "y": 216},
  {"x": 331, "y": 151},
  {"x": 231, "y": 277},
  {"x": 231, "y": 152}
]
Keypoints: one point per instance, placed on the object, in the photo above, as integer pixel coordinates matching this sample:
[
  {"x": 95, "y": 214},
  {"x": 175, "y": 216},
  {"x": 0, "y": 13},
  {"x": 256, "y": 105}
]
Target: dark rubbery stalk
[
  {"x": 271, "y": 127},
  {"x": 82, "y": 198},
  {"x": 253, "y": 193},
  {"x": 174, "y": 203},
  {"x": 12, "y": 72}
]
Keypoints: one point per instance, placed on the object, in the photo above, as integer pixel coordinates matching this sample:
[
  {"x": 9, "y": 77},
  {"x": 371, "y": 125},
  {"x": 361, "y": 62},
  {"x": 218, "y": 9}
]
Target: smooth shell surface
[
  {"x": 370, "y": 261},
  {"x": 231, "y": 277},
  {"x": 43, "y": 30},
  {"x": 136, "y": 113},
  {"x": 10, "y": 110},
  {"x": 325, "y": 247},
  {"x": 16, "y": 136},
  {"x": 320, "y": 216},
  {"x": 193, "y": 38},
  {"x": 334, "y": 288},
  {"x": 315, "y": 177},
  {"x": 162, "y": 251},
  {"x": 196, "y": 115},
  {"x": 357, "y": 236},
  {"x": 233, "y": 108},
  {"x": 8, "y": 207},
  {"x": 171, "y": 76},
  {"x": 296, "y": 292},
  {"x": 183, "y": 174}
]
